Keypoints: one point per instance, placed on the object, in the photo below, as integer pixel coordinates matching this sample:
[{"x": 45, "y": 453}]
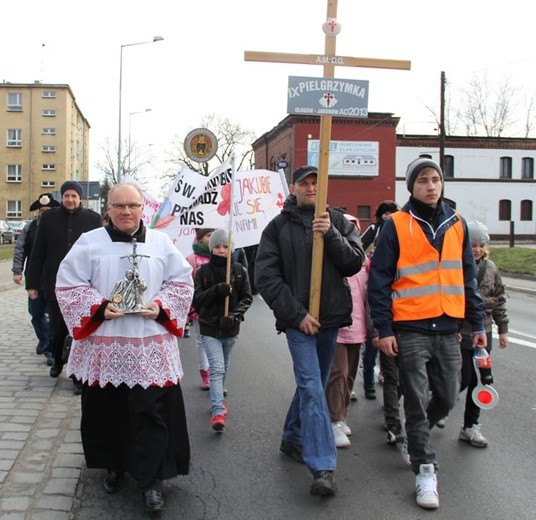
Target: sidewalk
[{"x": 40, "y": 450}]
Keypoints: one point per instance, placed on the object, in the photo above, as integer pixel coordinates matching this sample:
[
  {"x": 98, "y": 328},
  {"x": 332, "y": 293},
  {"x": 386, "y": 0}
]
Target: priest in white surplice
[{"x": 133, "y": 417}]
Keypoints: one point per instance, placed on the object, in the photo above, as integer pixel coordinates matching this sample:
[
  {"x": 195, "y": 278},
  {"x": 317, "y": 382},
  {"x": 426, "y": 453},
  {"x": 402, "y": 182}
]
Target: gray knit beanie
[
  {"x": 416, "y": 166},
  {"x": 220, "y": 237},
  {"x": 478, "y": 233}
]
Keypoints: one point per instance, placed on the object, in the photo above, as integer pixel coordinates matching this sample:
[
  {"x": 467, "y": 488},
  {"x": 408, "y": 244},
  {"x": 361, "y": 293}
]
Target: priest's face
[{"x": 125, "y": 207}]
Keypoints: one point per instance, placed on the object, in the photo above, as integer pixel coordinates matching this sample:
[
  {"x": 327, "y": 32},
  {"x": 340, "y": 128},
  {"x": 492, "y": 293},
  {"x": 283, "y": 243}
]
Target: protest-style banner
[
  {"x": 258, "y": 197},
  {"x": 187, "y": 190},
  {"x": 151, "y": 204}
]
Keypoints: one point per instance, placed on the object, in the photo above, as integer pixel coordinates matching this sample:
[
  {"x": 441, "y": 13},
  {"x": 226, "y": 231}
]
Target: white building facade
[{"x": 488, "y": 179}]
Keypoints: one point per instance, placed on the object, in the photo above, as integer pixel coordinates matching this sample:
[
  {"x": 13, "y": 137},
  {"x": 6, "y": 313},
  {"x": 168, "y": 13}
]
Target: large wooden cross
[{"x": 329, "y": 60}]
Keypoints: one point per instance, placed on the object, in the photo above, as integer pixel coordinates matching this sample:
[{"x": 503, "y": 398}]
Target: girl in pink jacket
[{"x": 346, "y": 361}]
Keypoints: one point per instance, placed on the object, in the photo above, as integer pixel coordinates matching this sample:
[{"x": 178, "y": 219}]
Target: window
[
  {"x": 49, "y": 113},
  {"x": 14, "y": 101},
  {"x": 49, "y": 94},
  {"x": 506, "y": 168},
  {"x": 47, "y": 184},
  {"x": 14, "y": 173},
  {"x": 527, "y": 168},
  {"x": 14, "y": 209},
  {"x": 49, "y": 131},
  {"x": 48, "y": 167},
  {"x": 363, "y": 212},
  {"x": 14, "y": 137},
  {"x": 48, "y": 148},
  {"x": 505, "y": 209},
  {"x": 526, "y": 210},
  {"x": 449, "y": 166}
]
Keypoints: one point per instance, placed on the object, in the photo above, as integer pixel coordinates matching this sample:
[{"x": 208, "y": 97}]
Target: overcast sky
[{"x": 199, "y": 69}]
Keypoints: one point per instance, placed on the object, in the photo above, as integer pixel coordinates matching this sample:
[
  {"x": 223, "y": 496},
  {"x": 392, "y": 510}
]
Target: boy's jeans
[{"x": 427, "y": 363}]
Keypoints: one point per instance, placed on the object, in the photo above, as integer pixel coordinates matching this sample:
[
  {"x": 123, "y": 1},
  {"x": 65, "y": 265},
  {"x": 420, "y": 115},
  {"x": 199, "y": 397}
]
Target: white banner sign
[{"x": 258, "y": 197}]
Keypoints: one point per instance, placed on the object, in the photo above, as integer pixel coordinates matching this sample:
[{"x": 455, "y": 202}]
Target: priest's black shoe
[
  {"x": 55, "y": 369},
  {"x": 153, "y": 500},
  {"x": 113, "y": 482},
  {"x": 77, "y": 387}
]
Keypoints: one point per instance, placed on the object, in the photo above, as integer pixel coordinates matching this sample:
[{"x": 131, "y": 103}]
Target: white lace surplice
[{"x": 130, "y": 350}]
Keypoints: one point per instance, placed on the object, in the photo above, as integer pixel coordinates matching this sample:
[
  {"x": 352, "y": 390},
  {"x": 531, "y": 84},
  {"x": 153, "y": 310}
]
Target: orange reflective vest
[{"x": 427, "y": 284}]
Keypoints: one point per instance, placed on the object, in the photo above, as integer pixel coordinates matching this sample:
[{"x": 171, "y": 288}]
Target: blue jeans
[
  {"x": 427, "y": 363},
  {"x": 202, "y": 360},
  {"x": 218, "y": 352},
  {"x": 308, "y": 422},
  {"x": 38, "y": 311}
]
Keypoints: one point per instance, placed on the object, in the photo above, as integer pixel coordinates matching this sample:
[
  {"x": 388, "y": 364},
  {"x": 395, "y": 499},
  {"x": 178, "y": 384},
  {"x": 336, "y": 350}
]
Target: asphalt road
[{"x": 241, "y": 474}]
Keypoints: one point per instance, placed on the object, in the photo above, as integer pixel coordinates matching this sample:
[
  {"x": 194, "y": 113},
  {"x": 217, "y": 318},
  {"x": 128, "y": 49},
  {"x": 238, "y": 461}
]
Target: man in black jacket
[
  {"x": 21, "y": 255},
  {"x": 58, "y": 231},
  {"x": 283, "y": 277}
]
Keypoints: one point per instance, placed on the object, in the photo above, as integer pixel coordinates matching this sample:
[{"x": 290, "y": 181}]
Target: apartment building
[{"x": 44, "y": 141}]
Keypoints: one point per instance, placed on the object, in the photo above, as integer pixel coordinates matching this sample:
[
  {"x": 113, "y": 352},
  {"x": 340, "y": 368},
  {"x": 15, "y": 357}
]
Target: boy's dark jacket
[{"x": 210, "y": 304}]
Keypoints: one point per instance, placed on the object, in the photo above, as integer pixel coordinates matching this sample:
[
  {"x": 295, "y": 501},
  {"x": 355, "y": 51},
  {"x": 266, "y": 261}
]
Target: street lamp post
[
  {"x": 155, "y": 39},
  {"x": 129, "y": 132}
]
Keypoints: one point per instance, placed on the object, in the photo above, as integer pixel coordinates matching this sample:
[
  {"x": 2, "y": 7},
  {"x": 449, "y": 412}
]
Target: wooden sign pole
[
  {"x": 322, "y": 180},
  {"x": 329, "y": 60}
]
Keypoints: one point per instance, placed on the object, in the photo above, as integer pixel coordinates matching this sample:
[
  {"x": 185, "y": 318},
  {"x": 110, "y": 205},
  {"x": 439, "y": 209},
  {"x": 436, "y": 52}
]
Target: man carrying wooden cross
[{"x": 283, "y": 277}]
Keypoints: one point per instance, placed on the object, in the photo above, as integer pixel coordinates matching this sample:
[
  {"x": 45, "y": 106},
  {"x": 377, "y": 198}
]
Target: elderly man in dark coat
[{"x": 59, "y": 229}]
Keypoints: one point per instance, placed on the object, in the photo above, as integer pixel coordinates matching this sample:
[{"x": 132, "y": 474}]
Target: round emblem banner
[{"x": 200, "y": 145}]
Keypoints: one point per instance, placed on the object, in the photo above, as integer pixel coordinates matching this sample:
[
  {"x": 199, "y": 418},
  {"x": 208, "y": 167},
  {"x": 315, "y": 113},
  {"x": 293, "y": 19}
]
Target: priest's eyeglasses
[{"x": 122, "y": 207}]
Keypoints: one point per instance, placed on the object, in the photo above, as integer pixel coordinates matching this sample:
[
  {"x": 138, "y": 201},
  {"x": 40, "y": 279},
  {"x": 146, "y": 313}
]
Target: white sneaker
[
  {"x": 442, "y": 422},
  {"x": 426, "y": 487},
  {"x": 345, "y": 428},
  {"x": 341, "y": 440},
  {"x": 473, "y": 436},
  {"x": 403, "y": 446},
  {"x": 353, "y": 396}
]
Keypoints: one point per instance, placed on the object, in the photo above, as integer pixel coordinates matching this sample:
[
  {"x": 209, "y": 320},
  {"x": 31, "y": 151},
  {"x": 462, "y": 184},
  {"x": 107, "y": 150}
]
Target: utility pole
[{"x": 442, "y": 124}]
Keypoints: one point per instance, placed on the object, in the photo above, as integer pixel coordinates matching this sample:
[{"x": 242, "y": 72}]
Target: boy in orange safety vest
[{"x": 422, "y": 283}]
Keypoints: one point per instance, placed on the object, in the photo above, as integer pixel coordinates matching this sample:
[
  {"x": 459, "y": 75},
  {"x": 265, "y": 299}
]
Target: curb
[
  {"x": 522, "y": 290},
  {"x": 517, "y": 288}
]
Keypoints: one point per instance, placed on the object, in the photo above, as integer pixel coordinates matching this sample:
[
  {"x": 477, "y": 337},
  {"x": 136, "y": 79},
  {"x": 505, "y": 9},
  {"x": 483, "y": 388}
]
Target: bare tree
[
  {"x": 484, "y": 108},
  {"x": 529, "y": 114},
  {"x": 133, "y": 161},
  {"x": 232, "y": 138}
]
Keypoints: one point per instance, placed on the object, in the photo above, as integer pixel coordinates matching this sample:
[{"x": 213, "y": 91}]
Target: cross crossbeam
[{"x": 320, "y": 59}]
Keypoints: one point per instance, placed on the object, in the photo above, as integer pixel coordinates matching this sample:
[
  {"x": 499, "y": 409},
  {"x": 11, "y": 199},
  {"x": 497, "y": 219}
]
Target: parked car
[
  {"x": 17, "y": 226},
  {"x": 6, "y": 233}
]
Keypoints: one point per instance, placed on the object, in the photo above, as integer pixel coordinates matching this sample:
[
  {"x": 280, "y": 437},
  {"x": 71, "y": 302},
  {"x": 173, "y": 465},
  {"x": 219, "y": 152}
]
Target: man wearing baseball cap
[
  {"x": 58, "y": 231},
  {"x": 283, "y": 277},
  {"x": 422, "y": 283}
]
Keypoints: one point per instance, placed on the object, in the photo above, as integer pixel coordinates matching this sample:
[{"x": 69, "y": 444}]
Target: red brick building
[{"x": 358, "y": 194}]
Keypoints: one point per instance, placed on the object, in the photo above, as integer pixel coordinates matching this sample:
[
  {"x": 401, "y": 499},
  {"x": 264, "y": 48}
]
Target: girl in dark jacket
[{"x": 219, "y": 329}]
